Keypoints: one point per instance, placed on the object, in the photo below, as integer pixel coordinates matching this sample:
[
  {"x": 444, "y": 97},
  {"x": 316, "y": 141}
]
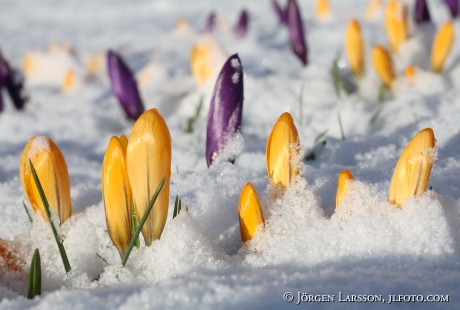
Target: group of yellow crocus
[
  {"x": 131, "y": 172},
  {"x": 397, "y": 28},
  {"x": 410, "y": 178}
]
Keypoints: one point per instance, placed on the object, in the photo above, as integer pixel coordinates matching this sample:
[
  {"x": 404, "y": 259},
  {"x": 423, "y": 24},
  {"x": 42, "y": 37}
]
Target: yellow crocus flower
[
  {"x": 442, "y": 46},
  {"x": 323, "y": 9},
  {"x": 383, "y": 65},
  {"x": 149, "y": 161},
  {"x": 51, "y": 169},
  {"x": 250, "y": 211},
  {"x": 282, "y": 150},
  {"x": 116, "y": 191},
  {"x": 343, "y": 184},
  {"x": 355, "y": 47},
  {"x": 412, "y": 172},
  {"x": 396, "y": 24}
]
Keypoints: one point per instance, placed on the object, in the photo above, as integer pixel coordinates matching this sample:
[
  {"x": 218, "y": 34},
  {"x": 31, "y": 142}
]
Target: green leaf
[
  {"x": 59, "y": 241},
  {"x": 142, "y": 222},
  {"x": 27, "y": 211},
  {"x": 135, "y": 224},
  {"x": 192, "y": 120},
  {"x": 342, "y": 133},
  {"x": 177, "y": 207},
  {"x": 339, "y": 80},
  {"x": 35, "y": 276}
]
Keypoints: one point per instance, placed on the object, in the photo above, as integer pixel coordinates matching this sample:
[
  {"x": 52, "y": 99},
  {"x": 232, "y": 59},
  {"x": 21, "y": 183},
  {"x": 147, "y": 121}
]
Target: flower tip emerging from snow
[
  {"x": 396, "y": 24},
  {"x": 9, "y": 258},
  {"x": 442, "y": 46},
  {"x": 250, "y": 212},
  {"x": 205, "y": 59},
  {"x": 343, "y": 184},
  {"x": 383, "y": 65},
  {"x": 282, "y": 151},
  {"x": 452, "y": 5},
  {"x": 117, "y": 195},
  {"x": 296, "y": 32},
  {"x": 412, "y": 172},
  {"x": 225, "y": 111},
  {"x": 210, "y": 23},
  {"x": 373, "y": 9},
  {"x": 421, "y": 12},
  {"x": 355, "y": 47},
  {"x": 241, "y": 28},
  {"x": 51, "y": 169},
  {"x": 323, "y": 9},
  {"x": 280, "y": 12},
  {"x": 124, "y": 86},
  {"x": 148, "y": 157}
]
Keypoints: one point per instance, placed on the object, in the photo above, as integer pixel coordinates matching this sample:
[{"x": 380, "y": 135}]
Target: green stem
[
  {"x": 142, "y": 222},
  {"x": 59, "y": 241}
]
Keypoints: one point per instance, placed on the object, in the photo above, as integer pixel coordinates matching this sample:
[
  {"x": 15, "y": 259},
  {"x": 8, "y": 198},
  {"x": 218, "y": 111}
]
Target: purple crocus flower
[
  {"x": 296, "y": 32},
  {"x": 226, "y": 108},
  {"x": 210, "y": 23},
  {"x": 13, "y": 81},
  {"x": 453, "y": 7},
  {"x": 241, "y": 28},
  {"x": 421, "y": 13},
  {"x": 280, "y": 12},
  {"x": 124, "y": 86}
]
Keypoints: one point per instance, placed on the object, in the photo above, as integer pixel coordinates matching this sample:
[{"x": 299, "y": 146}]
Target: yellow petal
[
  {"x": 410, "y": 72},
  {"x": 124, "y": 142},
  {"x": 206, "y": 59},
  {"x": 323, "y": 9},
  {"x": 282, "y": 150},
  {"x": 373, "y": 9},
  {"x": 52, "y": 171},
  {"x": 116, "y": 192},
  {"x": 355, "y": 47},
  {"x": 149, "y": 161},
  {"x": 383, "y": 65},
  {"x": 343, "y": 184},
  {"x": 396, "y": 24},
  {"x": 250, "y": 211},
  {"x": 442, "y": 46},
  {"x": 70, "y": 80},
  {"x": 412, "y": 172},
  {"x": 28, "y": 65}
]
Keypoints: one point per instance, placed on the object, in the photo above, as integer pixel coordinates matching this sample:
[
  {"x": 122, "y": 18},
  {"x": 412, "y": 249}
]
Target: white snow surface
[{"x": 366, "y": 247}]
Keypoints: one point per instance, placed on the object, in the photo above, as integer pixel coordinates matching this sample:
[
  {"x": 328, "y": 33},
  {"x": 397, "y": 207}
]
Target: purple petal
[
  {"x": 13, "y": 80},
  {"x": 296, "y": 32},
  {"x": 241, "y": 28},
  {"x": 280, "y": 12},
  {"x": 124, "y": 86},
  {"x": 210, "y": 23},
  {"x": 421, "y": 13},
  {"x": 453, "y": 7},
  {"x": 15, "y": 86},
  {"x": 226, "y": 108}
]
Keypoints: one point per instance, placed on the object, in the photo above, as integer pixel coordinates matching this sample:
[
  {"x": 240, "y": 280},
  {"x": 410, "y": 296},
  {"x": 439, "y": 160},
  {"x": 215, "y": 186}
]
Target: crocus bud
[
  {"x": 206, "y": 59},
  {"x": 412, "y": 172},
  {"x": 116, "y": 191},
  {"x": 343, "y": 184},
  {"x": 210, "y": 23},
  {"x": 250, "y": 211},
  {"x": 396, "y": 24},
  {"x": 373, "y": 9},
  {"x": 442, "y": 46},
  {"x": 323, "y": 9},
  {"x": 281, "y": 13},
  {"x": 124, "y": 86},
  {"x": 296, "y": 32},
  {"x": 241, "y": 28},
  {"x": 51, "y": 168},
  {"x": 149, "y": 161},
  {"x": 421, "y": 13},
  {"x": 452, "y": 5},
  {"x": 226, "y": 109},
  {"x": 13, "y": 80},
  {"x": 283, "y": 147},
  {"x": 383, "y": 65},
  {"x": 355, "y": 47}
]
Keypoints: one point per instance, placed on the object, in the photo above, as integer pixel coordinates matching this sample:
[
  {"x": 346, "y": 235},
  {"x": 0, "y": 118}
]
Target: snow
[{"x": 366, "y": 246}]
